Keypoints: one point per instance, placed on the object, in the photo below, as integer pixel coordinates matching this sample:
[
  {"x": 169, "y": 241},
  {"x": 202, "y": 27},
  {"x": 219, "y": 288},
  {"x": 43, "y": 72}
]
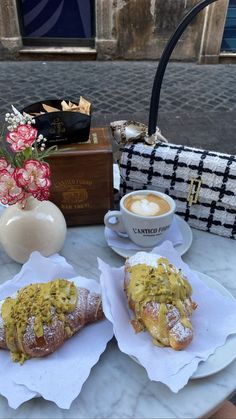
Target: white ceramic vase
[{"x": 40, "y": 226}]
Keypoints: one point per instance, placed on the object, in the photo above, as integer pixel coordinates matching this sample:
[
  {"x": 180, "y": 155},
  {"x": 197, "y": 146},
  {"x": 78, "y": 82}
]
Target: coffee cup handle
[{"x": 118, "y": 225}]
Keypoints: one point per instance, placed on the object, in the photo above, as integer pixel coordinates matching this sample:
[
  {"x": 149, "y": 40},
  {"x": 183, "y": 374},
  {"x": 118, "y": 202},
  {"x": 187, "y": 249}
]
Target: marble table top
[{"x": 117, "y": 387}]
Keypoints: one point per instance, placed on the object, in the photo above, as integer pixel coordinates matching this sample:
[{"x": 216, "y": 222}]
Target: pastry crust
[
  {"x": 88, "y": 309},
  {"x": 167, "y": 324}
]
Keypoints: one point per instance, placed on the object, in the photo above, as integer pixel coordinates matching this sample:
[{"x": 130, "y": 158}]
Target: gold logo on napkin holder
[{"x": 194, "y": 189}]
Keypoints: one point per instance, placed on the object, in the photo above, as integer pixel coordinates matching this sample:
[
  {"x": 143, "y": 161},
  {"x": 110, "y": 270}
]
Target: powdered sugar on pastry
[
  {"x": 150, "y": 259},
  {"x": 180, "y": 333}
]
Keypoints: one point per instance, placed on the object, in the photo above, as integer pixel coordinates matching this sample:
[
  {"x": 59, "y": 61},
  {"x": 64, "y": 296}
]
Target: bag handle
[{"x": 155, "y": 97}]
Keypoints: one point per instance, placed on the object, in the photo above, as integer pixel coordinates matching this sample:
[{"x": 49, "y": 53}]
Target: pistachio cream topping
[
  {"x": 160, "y": 283},
  {"x": 39, "y": 301}
]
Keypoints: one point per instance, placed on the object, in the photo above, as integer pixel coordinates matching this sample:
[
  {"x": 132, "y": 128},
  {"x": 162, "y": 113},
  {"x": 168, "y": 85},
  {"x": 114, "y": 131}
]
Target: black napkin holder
[{"x": 61, "y": 127}]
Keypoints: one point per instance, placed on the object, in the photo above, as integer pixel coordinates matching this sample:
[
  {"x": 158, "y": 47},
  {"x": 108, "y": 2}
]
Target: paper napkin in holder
[{"x": 61, "y": 122}]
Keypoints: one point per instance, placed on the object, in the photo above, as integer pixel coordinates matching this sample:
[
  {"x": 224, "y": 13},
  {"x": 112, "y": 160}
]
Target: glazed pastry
[
  {"x": 40, "y": 317},
  {"x": 160, "y": 297}
]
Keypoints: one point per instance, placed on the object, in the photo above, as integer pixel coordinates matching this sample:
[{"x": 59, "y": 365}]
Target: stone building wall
[
  {"x": 139, "y": 29},
  {"x": 10, "y": 37},
  {"x": 136, "y": 29}
]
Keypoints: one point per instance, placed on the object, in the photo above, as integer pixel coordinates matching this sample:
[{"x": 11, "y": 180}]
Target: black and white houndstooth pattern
[{"x": 169, "y": 168}]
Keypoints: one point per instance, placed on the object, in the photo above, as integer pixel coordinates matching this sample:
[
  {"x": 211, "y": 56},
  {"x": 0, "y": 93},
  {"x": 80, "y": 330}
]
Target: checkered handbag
[{"x": 202, "y": 183}]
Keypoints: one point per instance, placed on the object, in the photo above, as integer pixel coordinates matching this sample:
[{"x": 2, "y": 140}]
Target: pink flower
[
  {"x": 19, "y": 177},
  {"x": 42, "y": 194},
  {"x": 34, "y": 178},
  {"x": 22, "y": 137},
  {"x": 33, "y": 175},
  {"x": 3, "y": 163},
  {"x": 10, "y": 193}
]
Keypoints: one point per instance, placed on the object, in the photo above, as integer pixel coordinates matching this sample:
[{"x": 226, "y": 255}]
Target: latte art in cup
[
  {"x": 149, "y": 205},
  {"x": 144, "y": 215}
]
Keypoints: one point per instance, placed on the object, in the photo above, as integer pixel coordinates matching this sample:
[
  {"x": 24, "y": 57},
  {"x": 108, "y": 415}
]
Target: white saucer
[
  {"x": 180, "y": 248},
  {"x": 225, "y": 354}
]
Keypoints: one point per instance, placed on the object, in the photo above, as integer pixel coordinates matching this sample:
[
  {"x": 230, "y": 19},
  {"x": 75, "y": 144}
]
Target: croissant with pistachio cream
[
  {"x": 160, "y": 297},
  {"x": 41, "y": 316}
]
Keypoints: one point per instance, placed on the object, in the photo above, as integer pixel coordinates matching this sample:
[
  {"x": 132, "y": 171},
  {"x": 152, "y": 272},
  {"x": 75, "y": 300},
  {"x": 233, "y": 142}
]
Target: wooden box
[{"x": 82, "y": 179}]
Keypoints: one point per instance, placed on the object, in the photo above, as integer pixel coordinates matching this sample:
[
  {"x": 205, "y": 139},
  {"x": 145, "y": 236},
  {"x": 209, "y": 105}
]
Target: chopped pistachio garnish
[
  {"x": 38, "y": 301},
  {"x": 164, "y": 284}
]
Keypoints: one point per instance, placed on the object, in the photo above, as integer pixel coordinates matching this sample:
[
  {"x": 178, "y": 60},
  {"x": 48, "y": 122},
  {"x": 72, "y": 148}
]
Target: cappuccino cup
[{"x": 145, "y": 216}]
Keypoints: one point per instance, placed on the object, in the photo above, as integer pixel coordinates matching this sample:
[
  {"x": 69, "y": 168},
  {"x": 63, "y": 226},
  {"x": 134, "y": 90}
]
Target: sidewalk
[{"x": 197, "y": 107}]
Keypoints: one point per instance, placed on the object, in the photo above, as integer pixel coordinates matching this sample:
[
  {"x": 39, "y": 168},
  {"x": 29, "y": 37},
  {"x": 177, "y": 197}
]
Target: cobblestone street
[{"x": 197, "y": 107}]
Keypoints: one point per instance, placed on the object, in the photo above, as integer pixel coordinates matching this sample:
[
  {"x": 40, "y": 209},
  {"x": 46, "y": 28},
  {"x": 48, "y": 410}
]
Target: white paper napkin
[
  {"x": 114, "y": 240},
  {"x": 213, "y": 321},
  {"x": 60, "y": 376}
]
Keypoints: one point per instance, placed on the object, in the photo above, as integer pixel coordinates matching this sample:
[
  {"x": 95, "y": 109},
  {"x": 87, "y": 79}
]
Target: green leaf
[
  {"x": 27, "y": 153},
  {"x": 36, "y": 150},
  {"x": 19, "y": 159},
  {"x": 48, "y": 152}
]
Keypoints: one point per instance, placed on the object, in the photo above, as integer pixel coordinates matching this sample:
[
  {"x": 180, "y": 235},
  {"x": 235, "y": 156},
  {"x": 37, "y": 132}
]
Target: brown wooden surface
[{"x": 82, "y": 179}]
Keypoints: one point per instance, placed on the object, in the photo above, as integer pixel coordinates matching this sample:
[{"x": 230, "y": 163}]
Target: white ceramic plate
[
  {"x": 180, "y": 248},
  {"x": 224, "y": 355}
]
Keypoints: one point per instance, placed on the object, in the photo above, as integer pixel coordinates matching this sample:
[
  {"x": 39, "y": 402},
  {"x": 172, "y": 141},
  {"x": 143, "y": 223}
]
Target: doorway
[
  {"x": 57, "y": 22},
  {"x": 229, "y": 36}
]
